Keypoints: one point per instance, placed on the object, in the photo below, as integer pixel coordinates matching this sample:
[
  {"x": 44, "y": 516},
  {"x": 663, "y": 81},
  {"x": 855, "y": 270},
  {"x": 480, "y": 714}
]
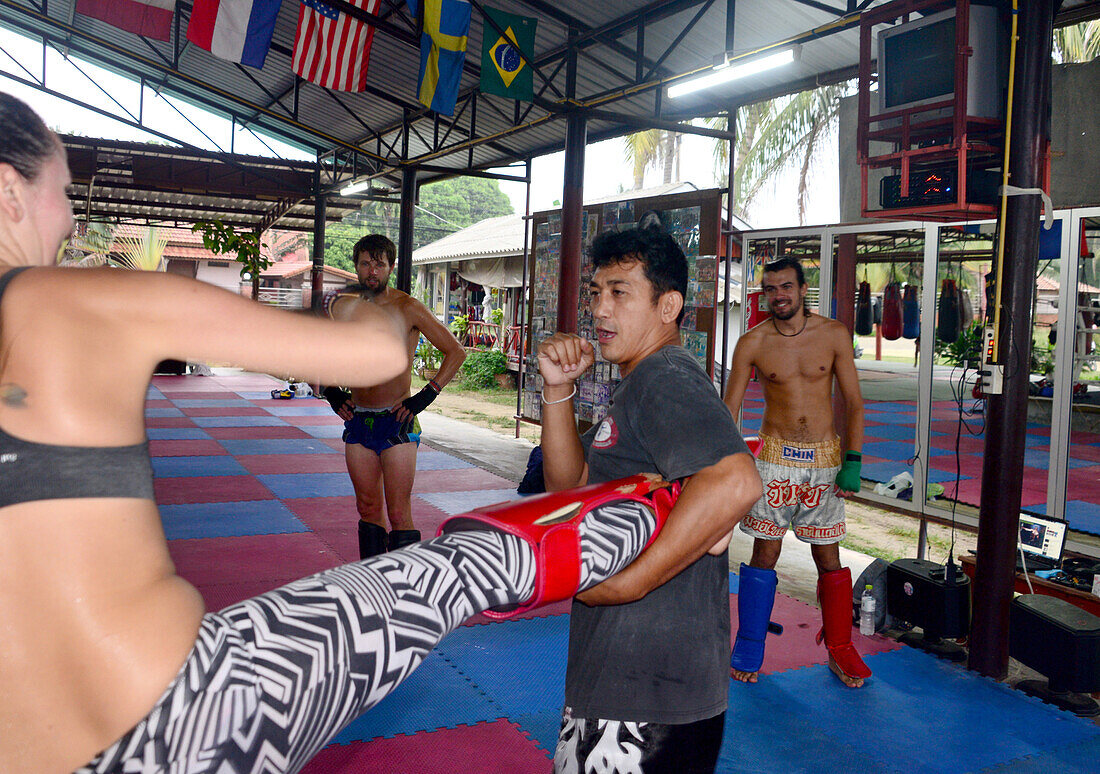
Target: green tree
[
  {"x": 772, "y": 136},
  {"x": 445, "y": 207},
  {"x": 244, "y": 246},
  {"x": 1077, "y": 43},
  {"x": 651, "y": 148}
]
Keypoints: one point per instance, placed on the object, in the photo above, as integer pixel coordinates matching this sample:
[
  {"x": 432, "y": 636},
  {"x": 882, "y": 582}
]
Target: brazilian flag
[{"x": 503, "y": 71}]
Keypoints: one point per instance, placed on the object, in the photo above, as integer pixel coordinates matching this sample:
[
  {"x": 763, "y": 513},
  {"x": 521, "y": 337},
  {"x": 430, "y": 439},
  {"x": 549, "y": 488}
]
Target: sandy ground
[{"x": 871, "y": 530}]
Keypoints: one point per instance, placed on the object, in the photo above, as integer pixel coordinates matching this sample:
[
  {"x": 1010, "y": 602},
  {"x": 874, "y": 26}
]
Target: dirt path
[{"x": 871, "y": 530}]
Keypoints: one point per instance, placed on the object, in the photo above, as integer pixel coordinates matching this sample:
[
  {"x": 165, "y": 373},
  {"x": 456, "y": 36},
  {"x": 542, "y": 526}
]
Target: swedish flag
[
  {"x": 503, "y": 71},
  {"x": 442, "y": 52}
]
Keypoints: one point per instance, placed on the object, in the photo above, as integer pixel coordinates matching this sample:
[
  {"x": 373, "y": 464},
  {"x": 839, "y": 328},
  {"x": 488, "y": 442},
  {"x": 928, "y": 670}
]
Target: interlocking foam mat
[{"x": 488, "y": 698}]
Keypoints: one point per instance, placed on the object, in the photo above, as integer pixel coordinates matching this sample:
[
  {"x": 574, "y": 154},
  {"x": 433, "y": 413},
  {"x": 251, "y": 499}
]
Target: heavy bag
[
  {"x": 947, "y": 327},
  {"x": 865, "y": 315},
  {"x": 891, "y": 312},
  {"x": 910, "y": 308},
  {"x": 966, "y": 311}
]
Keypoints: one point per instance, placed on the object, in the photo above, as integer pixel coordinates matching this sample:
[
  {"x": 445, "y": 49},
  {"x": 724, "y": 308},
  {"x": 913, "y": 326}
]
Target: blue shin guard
[{"x": 755, "y": 597}]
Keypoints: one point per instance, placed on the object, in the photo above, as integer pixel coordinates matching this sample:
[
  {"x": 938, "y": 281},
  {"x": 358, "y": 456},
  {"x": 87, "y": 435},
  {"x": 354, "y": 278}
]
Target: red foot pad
[
  {"x": 549, "y": 523},
  {"x": 834, "y": 591}
]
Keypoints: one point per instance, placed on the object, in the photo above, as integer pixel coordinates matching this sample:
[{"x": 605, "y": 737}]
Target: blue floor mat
[
  {"x": 163, "y": 412},
  {"x": 323, "y": 431},
  {"x": 1083, "y": 516},
  {"x": 213, "y": 403},
  {"x": 965, "y": 722},
  {"x": 890, "y": 418},
  {"x": 896, "y": 450},
  {"x": 519, "y": 665},
  {"x": 209, "y": 520},
  {"x": 873, "y": 407},
  {"x": 890, "y": 433},
  {"x": 542, "y": 728},
  {"x": 460, "y": 502},
  {"x": 214, "y": 465},
  {"x": 276, "y": 446},
  {"x": 287, "y": 486},
  {"x": 176, "y": 433},
  {"x": 257, "y": 421},
  {"x": 304, "y": 409},
  {"x": 435, "y": 696},
  {"x": 1079, "y": 758},
  {"x": 884, "y": 471}
]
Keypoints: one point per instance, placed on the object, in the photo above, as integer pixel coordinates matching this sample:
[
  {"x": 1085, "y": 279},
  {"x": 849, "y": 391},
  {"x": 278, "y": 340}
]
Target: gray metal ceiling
[{"x": 627, "y": 53}]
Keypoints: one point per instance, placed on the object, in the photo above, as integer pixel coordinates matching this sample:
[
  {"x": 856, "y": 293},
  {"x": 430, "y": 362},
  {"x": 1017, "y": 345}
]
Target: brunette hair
[{"x": 25, "y": 141}]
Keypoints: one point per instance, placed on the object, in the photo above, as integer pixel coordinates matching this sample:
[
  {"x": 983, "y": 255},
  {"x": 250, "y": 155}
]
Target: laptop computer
[{"x": 1041, "y": 541}]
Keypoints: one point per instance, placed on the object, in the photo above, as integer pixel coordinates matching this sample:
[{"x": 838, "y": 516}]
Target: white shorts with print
[{"x": 798, "y": 491}]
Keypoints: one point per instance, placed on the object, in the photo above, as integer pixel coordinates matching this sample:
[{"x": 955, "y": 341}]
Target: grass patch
[
  {"x": 855, "y": 544},
  {"x": 901, "y": 532}
]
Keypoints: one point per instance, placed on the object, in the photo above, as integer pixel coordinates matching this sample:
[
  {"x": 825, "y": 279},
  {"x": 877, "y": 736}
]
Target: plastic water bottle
[{"x": 867, "y": 612}]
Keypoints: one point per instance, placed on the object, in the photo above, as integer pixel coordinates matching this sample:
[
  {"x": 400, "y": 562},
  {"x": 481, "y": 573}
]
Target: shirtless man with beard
[
  {"x": 805, "y": 471},
  {"x": 381, "y": 432}
]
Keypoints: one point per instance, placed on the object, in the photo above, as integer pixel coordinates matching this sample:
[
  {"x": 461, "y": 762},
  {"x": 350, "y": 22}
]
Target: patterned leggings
[{"x": 271, "y": 680}]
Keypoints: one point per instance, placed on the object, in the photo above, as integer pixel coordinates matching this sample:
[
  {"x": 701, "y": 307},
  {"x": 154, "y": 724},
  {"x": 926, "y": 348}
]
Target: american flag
[{"x": 332, "y": 49}]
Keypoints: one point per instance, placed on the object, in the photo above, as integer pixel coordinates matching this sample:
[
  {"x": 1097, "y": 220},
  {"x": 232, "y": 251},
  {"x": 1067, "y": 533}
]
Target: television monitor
[
  {"x": 1042, "y": 537},
  {"x": 916, "y": 63}
]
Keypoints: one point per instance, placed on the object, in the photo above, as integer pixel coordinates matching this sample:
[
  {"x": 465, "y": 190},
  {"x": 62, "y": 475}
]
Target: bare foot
[
  {"x": 744, "y": 677},
  {"x": 851, "y": 682}
]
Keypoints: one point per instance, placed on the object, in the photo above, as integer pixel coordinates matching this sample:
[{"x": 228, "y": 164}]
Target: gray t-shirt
[{"x": 664, "y": 658}]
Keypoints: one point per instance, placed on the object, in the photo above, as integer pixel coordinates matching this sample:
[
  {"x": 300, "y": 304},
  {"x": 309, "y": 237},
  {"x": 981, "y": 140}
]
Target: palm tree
[
  {"x": 1078, "y": 43},
  {"x": 774, "y": 134},
  {"x": 651, "y": 147},
  {"x": 144, "y": 253}
]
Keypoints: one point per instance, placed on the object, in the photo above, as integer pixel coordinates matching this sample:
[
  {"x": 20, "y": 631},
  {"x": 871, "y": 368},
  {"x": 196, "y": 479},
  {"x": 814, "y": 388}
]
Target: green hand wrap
[{"x": 847, "y": 478}]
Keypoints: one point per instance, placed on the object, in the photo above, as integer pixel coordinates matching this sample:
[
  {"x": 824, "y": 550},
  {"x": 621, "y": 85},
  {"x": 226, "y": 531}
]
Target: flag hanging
[
  {"x": 503, "y": 71},
  {"x": 149, "y": 18},
  {"x": 332, "y": 49},
  {"x": 442, "y": 52},
  {"x": 237, "y": 30}
]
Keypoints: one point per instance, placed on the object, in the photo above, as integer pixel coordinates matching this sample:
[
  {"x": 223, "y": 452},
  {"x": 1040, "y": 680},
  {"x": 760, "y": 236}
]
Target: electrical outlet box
[{"x": 991, "y": 375}]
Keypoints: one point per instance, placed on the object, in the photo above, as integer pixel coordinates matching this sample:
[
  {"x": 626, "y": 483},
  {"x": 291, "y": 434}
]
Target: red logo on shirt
[{"x": 606, "y": 435}]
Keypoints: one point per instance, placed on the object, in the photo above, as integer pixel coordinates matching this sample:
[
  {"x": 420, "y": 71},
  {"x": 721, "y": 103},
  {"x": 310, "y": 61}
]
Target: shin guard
[
  {"x": 399, "y": 538},
  {"x": 834, "y": 591},
  {"x": 549, "y": 523},
  {"x": 755, "y": 597},
  {"x": 372, "y": 539}
]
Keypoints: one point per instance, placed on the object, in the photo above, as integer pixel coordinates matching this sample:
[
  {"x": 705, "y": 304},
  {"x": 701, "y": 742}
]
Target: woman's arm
[{"x": 166, "y": 316}]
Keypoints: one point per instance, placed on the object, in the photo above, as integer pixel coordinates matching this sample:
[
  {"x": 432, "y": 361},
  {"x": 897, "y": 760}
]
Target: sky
[{"x": 606, "y": 168}]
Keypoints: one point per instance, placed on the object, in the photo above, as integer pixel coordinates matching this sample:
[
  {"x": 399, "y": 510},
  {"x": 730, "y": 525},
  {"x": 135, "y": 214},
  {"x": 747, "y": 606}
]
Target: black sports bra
[{"x": 41, "y": 471}]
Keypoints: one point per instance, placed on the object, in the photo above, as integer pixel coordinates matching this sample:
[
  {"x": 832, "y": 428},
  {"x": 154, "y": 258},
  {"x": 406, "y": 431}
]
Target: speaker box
[
  {"x": 1062, "y": 642},
  {"x": 920, "y": 593}
]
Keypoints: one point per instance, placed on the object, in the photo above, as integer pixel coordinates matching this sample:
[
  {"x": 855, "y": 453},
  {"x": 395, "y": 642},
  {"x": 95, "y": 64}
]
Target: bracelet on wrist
[
  {"x": 560, "y": 400},
  {"x": 435, "y": 385}
]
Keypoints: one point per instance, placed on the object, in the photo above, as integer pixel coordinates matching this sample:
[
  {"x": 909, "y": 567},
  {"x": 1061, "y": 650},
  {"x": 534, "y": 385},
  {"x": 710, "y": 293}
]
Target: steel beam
[
  {"x": 1006, "y": 414},
  {"x": 317, "y": 270},
  {"x": 405, "y": 225}
]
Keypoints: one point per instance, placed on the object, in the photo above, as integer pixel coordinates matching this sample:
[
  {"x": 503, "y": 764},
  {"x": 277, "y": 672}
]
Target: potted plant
[
  {"x": 426, "y": 359},
  {"x": 459, "y": 325}
]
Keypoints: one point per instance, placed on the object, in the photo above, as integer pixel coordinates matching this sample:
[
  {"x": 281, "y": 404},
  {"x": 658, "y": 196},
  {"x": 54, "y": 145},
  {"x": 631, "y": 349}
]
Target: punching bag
[
  {"x": 947, "y": 328},
  {"x": 891, "y": 312},
  {"x": 966, "y": 311},
  {"x": 865, "y": 315},
  {"x": 910, "y": 308}
]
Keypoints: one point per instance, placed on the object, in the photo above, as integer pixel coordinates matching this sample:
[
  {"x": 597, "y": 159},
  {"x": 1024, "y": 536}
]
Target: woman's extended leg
[{"x": 272, "y": 679}]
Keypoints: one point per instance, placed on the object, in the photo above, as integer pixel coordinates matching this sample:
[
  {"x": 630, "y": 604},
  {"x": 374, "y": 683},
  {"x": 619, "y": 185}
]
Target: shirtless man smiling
[{"x": 806, "y": 473}]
